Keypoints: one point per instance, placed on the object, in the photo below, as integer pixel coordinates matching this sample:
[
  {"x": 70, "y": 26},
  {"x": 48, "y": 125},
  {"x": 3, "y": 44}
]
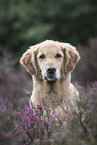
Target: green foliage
[{"x": 26, "y": 22}]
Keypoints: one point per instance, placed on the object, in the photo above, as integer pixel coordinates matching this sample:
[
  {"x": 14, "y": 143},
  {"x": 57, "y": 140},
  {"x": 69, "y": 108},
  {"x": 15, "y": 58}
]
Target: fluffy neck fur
[{"x": 53, "y": 93}]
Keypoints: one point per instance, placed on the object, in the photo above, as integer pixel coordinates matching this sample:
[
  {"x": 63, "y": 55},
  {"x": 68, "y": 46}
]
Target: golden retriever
[{"x": 51, "y": 63}]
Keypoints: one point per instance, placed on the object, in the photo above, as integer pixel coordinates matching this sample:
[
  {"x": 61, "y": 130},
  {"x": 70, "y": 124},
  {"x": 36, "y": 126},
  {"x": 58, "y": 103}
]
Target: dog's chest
[
  {"x": 52, "y": 98},
  {"x": 51, "y": 94}
]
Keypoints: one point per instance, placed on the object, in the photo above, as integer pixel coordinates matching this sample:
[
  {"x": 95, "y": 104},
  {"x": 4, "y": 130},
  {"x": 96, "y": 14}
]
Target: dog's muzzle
[{"x": 51, "y": 73}]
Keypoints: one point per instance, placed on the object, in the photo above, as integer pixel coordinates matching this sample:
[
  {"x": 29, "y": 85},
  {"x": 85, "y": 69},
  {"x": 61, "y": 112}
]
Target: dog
[{"x": 51, "y": 63}]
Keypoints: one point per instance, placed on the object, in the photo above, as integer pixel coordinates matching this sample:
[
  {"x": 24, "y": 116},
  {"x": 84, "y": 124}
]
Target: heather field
[{"x": 23, "y": 124}]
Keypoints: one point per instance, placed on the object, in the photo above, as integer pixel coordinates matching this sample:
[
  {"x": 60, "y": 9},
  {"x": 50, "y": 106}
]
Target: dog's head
[{"x": 50, "y": 59}]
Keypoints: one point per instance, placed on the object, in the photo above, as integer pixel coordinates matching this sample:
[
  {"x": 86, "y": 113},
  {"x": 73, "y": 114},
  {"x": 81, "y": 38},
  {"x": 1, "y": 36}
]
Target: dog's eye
[
  {"x": 42, "y": 56},
  {"x": 58, "y": 55}
]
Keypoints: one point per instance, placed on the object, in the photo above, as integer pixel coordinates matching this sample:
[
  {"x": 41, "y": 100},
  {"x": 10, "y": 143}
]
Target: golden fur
[{"x": 51, "y": 91}]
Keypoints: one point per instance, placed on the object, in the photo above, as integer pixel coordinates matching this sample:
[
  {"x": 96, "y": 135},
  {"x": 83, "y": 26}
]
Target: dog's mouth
[{"x": 45, "y": 78}]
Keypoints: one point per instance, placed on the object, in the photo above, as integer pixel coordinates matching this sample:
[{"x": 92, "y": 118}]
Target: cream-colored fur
[{"x": 52, "y": 92}]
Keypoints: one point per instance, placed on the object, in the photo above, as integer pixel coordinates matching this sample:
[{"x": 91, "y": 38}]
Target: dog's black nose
[{"x": 51, "y": 71}]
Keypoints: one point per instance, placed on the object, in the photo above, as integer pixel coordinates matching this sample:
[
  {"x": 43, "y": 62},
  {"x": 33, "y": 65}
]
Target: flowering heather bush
[
  {"x": 23, "y": 124},
  {"x": 12, "y": 80},
  {"x": 13, "y": 93},
  {"x": 35, "y": 125},
  {"x": 30, "y": 125}
]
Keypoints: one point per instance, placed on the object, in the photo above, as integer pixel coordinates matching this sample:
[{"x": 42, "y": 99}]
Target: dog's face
[{"x": 50, "y": 58}]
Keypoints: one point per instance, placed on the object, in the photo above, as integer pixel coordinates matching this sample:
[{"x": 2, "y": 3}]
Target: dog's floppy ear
[
  {"x": 28, "y": 60},
  {"x": 71, "y": 56}
]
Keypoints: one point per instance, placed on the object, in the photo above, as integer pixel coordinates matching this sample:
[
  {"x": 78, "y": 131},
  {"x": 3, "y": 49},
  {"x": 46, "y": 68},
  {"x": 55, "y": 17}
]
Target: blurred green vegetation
[{"x": 27, "y": 22}]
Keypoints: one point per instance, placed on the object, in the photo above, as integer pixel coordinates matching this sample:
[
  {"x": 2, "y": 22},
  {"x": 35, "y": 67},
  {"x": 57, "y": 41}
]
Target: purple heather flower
[
  {"x": 18, "y": 113},
  {"x": 69, "y": 113},
  {"x": 64, "y": 117},
  {"x": 94, "y": 84},
  {"x": 28, "y": 118},
  {"x": 45, "y": 108},
  {"x": 53, "y": 120},
  {"x": 47, "y": 122},
  {"x": 36, "y": 140},
  {"x": 38, "y": 112},
  {"x": 25, "y": 112},
  {"x": 24, "y": 119},
  {"x": 38, "y": 119},
  {"x": 19, "y": 131},
  {"x": 26, "y": 128},
  {"x": 32, "y": 122},
  {"x": 18, "y": 109}
]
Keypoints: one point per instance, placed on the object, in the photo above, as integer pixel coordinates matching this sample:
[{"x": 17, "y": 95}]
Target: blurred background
[{"x": 26, "y": 22}]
